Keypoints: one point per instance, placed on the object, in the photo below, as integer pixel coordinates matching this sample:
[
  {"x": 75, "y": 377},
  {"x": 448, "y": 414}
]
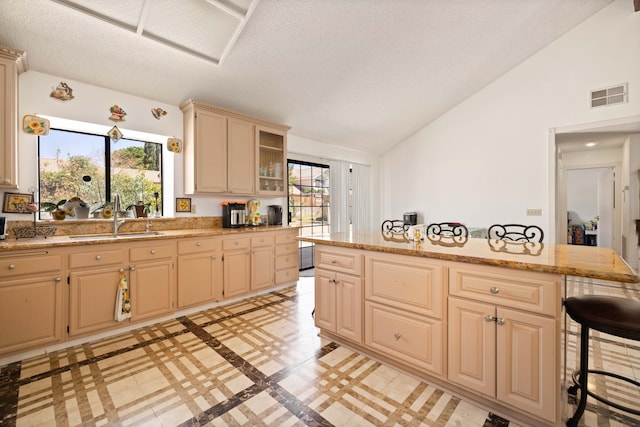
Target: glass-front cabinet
[{"x": 272, "y": 162}]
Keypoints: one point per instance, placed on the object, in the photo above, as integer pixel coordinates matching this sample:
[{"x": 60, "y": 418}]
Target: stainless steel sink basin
[{"x": 119, "y": 236}]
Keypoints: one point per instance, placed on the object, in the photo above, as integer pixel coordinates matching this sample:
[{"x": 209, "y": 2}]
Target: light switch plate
[{"x": 534, "y": 212}]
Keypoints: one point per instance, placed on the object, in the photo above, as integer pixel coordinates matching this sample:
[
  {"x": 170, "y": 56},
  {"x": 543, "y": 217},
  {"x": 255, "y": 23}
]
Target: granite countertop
[
  {"x": 13, "y": 244},
  {"x": 572, "y": 260}
]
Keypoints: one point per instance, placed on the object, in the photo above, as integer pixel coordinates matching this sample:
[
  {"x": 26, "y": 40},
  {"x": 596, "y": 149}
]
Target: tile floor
[{"x": 256, "y": 362}]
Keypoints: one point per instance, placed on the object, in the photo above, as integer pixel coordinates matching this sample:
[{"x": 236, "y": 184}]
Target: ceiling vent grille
[{"x": 611, "y": 95}]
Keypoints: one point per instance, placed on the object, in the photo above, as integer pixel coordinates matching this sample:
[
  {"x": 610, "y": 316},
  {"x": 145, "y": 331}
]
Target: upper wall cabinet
[
  {"x": 12, "y": 63},
  {"x": 221, "y": 154}
]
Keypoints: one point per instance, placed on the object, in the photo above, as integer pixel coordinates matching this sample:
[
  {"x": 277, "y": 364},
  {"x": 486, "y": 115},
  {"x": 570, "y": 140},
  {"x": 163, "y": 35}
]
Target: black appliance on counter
[
  {"x": 274, "y": 215},
  {"x": 233, "y": 214},
  {"x": 410, "y": 218}
]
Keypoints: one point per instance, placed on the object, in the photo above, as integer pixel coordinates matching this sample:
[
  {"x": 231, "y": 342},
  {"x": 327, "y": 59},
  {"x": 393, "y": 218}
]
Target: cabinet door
[
  {"x": 271, "y": 161},
  {"x": 325, "y": 300},
  {"x": 152, "y": 289},
  {"x": 210, "y": 162},
  {"x": 472, "y": 345},
  {"x": 92, "y": 300},
  {"x": 8, "y": 122},
  {"x": 349, "y": 307},
  {"x": 237, "y": 273},
  {"x": 527, "y": 366},
  {"x": 241, "y": 154},
  {"x": 196, "y": 278},
  {"x": 30, "y": 312},
  {"x": 262, "y": 268}
]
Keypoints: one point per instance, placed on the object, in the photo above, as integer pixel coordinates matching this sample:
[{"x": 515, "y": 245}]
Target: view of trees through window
[{"x": 74, "y": 164}]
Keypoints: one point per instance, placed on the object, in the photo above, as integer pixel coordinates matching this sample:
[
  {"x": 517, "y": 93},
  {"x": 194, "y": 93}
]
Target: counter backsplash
[{"x": 101, "y": 226}]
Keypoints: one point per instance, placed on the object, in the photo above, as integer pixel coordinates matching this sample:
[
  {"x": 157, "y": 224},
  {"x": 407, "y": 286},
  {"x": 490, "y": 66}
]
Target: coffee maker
[
  {"x": 274, "y": 215},
  {"x": 3, "y": 227},
  {"x": 233, "y": 214}
]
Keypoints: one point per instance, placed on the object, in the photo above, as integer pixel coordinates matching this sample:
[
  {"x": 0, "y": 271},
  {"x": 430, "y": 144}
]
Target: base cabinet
[
  {"x": 152, "y": 289},
  {"x": 199, "y": 271},
  {"x": 286, "y": 257},
  {"x": 236, "y": 267},
  {"x": 338, "y": 306},
  {"x": 262, "y": 262}
]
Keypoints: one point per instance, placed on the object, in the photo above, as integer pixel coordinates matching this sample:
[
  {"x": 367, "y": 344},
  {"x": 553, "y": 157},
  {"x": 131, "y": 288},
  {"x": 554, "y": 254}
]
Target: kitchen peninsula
[{"x": 482, "y": 318}]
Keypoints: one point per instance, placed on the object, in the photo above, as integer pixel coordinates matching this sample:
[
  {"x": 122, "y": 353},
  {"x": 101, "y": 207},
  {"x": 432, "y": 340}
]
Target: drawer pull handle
[
  {"x": 98, "y": 257},
  {"x": 489, "y": 318},
  {"x": 333, "y": 261},
  {"x": 499, "y": 320},
  {"x": 12, "y": 267},
  {"x": 152, "y": 251},
  {"x": 495, "y": 290},
  {"x": 198, "y": 244},
  {"x": 398, "y": 335}
]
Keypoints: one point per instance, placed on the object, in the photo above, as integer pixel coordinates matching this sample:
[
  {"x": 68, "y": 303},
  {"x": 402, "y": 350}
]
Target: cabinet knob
[
  {"x": 495, "y": 290},
  {"x": 333, "y": 261},
  {"x": 98, "y": 257},
  {"x": 489, "y": 318},
  {"x": 152, "y": 251},
  {"x": 58, "y": 279},
  {"x": 6, "y": 181},
  {"x": 213, "y": 257},
  {"x": 121, "y": 270},
  {"x": 398, "y": 335},
  {"x": 499, "y": 320},
  {"x": 12, "y": 267},
  {"x": 236, "y": 243},
  {"x": 198, "y": 244},
  {"x": 132, "y": 268}
]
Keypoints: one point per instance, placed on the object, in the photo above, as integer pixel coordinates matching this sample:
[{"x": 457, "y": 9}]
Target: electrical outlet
[
  {"x": 193, "y": 209},
  {"x": 534, "y": 212}
]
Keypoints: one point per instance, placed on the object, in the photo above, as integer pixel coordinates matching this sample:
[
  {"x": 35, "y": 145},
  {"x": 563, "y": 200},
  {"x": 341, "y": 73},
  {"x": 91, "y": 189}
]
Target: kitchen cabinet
[
  {"x": 199, "y": 271},
  {"x": 502, "y": 336},
  {"x": 286, "y": 257},
  {"x": 272, "y": 161},
  {"x": 220, "y": 151},
  {"x": 405, "y": 302},
  {"x": 94, "y": 274},
  {"x": 236, "y": 261},
  {"x": 338, "y": 290},
  {"x": 12, "y": 63},
  {"x": 262, "y": 261},
  {"x": 152, "y": 279},
  {"x": 31, "y": 299}
]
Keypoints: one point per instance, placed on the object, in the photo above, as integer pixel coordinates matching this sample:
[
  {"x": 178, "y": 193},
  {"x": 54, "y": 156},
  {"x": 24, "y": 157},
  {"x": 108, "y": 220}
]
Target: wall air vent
[{"x": 611, "y": 95}]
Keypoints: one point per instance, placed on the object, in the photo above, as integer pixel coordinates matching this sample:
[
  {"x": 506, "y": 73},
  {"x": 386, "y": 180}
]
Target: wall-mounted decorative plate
[
  {"x": 35, "y": 125},
  {"x": 62, "y": 92},
  {"x": 115, "y": 134},
  {"x": 174, "y": 145}
]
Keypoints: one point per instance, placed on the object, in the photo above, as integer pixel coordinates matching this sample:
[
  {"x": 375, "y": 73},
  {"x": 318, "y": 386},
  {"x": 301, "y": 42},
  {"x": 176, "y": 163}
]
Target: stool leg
[{"x": 584, "y": 369}]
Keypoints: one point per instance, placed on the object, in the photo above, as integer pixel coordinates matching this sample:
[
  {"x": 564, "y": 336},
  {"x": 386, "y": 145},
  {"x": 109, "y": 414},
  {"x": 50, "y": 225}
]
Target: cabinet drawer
[
  {"x": 286, "y": 248},
  {"x": 287, "y": 275},
  {"x": 338, "y": 259},
  {"x": 21, "y": 264},
  {"x": 282, "y": 238},
  {"x": 408, "y": 283},
  {"x": 191, "y": 246},
  {"x": 415, "y": 339},
  {"x": 97, "y": 258},
  {"x": 537, "y": 292},
  {"x": 260, "y": 241},
  {"x": 286, "y": 261},
  {"x": 147, "y": 253},
  {"x": 239, "y": 243}
]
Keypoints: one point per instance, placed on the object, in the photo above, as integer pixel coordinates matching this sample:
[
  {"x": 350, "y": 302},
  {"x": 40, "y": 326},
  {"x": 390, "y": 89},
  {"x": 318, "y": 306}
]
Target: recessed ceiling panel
[
  {"x": 126, "y": 12},
  {"x": 195, "y": 24}
]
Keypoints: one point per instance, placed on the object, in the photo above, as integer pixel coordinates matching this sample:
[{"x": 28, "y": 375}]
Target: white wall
[
  {"x": 487, "y": 160},
  {"x": 582, "y": 197}
]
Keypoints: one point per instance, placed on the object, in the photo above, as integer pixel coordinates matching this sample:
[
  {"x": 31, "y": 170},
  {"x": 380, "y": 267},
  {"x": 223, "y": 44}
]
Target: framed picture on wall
[
  {"x": 183, "y": 204},
  {"x": 17, "y": 202}
]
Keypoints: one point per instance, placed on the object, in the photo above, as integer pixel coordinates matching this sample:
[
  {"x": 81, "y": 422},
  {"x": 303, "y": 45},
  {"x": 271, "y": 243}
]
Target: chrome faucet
[{"x": 116, "y": 209}]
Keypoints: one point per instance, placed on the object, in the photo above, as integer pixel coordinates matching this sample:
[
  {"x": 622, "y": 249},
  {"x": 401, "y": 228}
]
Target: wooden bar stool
[{"x": 611, "y": 315}]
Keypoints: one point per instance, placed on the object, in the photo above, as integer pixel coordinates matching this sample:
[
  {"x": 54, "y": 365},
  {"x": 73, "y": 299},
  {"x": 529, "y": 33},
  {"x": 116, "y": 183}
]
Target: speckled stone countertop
[
  {"x": 572, "y": 260},
  {"x": 13, "y": 244}
]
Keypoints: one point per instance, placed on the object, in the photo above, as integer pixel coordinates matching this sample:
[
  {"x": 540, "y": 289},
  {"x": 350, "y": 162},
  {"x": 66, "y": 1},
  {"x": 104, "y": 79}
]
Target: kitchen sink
[{"x": 119, "y": 236}]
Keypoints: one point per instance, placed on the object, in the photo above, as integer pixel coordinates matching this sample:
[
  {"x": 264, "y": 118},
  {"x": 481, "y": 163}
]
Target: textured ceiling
[{"x": 360, "y": 73}]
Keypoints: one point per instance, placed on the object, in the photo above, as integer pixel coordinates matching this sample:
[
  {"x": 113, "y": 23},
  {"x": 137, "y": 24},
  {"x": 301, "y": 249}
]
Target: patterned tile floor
[{"x": 256, "y": 362}]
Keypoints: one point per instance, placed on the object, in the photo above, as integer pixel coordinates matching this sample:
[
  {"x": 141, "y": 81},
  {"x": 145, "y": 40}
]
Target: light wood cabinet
[
  {"x": 12, "y": 63},
  {"x": 496, "y": 346},
  {"x": 31, "y": 299},
  {"x": 286, "y": 257},
  {"x": 272, "y": 161},
  {"x": 262, "y": 261},
  {"x": 220, "y": 152},
  {"x": 338, "y": 303},
  {"x": 152, "y": 279},
  {"x": 94, "y": 275},
  {"x": 236, "y": 260},
  {"x": 405, "y": 302},
  {"x": 199, "y": 271}
]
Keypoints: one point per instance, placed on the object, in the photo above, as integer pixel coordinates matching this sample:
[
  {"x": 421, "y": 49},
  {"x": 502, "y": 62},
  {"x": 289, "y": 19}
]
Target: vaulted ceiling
[{"x": 360, "y": 73}]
